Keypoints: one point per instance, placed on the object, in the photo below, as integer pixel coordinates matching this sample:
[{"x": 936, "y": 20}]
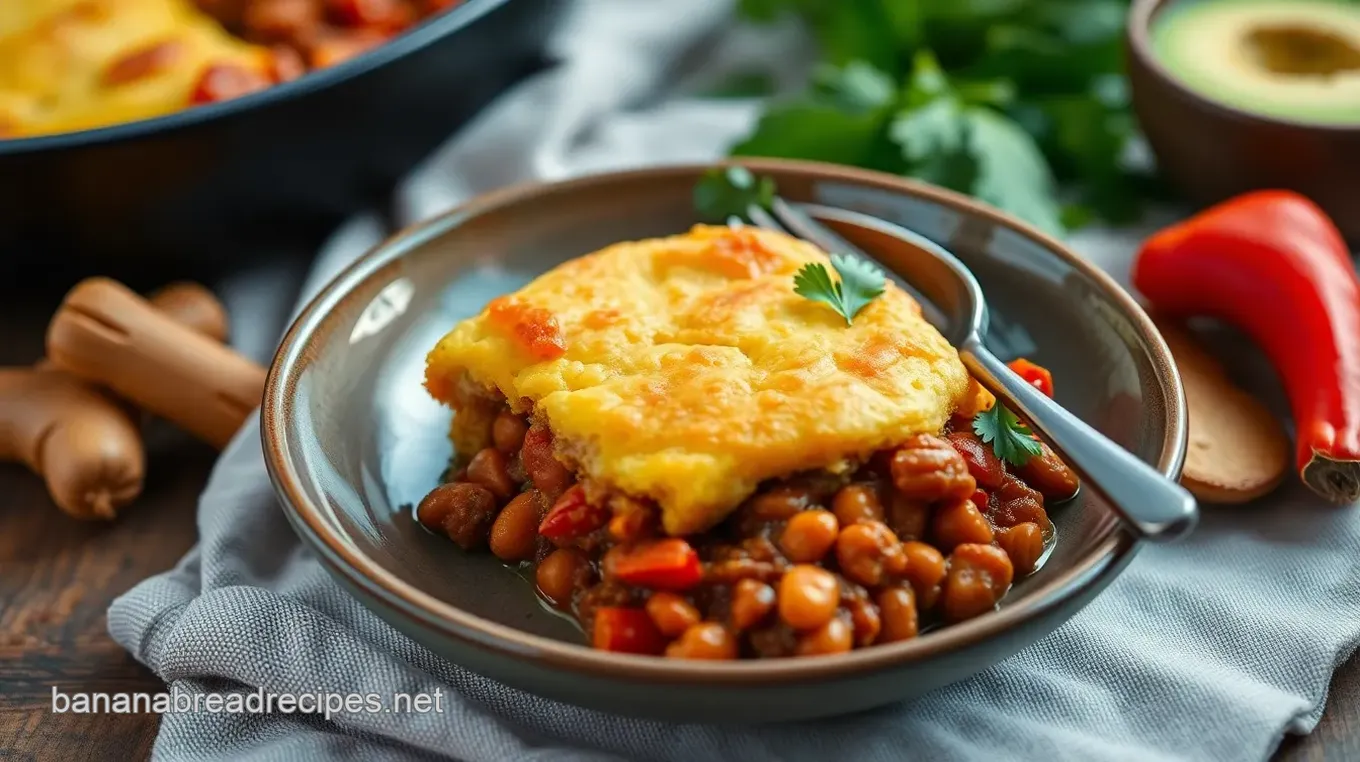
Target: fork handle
[{"x": 1153, "y": 506}]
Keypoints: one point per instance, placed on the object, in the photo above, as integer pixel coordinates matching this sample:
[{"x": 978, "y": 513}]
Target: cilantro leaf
[
  {"x": 1011, "y": 440},
  {"x": 725, "y": 192},
  {"x": 860, "y": 283}
]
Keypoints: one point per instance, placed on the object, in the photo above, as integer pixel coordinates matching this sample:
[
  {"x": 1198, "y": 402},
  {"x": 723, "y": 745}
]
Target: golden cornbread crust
[
  {"x": 685, "y": 369},
  {"x": 56, "y": 59}
]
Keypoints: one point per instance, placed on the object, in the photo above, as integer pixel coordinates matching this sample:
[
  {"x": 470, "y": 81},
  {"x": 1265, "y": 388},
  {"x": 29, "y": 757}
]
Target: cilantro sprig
[
  {"x": 859, "y": 284},
  {"x": 725, "y": 192},
  {"x": 1011, "y": 440}
]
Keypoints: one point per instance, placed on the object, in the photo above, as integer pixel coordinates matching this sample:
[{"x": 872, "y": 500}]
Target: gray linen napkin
[{"x": 1208, "y": 650}]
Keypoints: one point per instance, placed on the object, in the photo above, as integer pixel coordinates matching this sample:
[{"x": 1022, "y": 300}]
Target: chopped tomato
[
  {"x": 224, "y": 81},
  {"x": 626, "y": 631},
  {"x": 1037, "y": 375},
  {"x": 572, "y": 516},
  {"x": 392, "y": 15},
  {"x": 669, "y": 564}
]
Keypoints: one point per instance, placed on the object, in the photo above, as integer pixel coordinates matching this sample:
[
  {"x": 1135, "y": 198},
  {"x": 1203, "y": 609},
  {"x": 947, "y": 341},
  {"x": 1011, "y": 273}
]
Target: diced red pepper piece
[
  {"x": 669, "y": 564},
  {"x": 1037, "y": 375},
  {"x": 626, "y": 630},
  {"x": 391, "y": 15},
  {"x": 224, "y": 81},
  {"x": 572, "y": 516},
  {"x": 980, "y": 499}
]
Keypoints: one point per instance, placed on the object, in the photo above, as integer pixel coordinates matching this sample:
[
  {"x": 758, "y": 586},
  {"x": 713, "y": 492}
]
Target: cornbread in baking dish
[
  {"x": 686, "y": 370},
  {"x": 69, "y": 65}
]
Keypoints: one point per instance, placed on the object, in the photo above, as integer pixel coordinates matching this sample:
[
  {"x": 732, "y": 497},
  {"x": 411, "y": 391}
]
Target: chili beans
[
  {"x": 540, "y": 465},
  {"x": 978, "y": 576},
  {"x": 931, "y": 532},
  {"x": 808, "y": 536},
  {"x": 488, "y": 468},
  {"x": 831, "y": 637},
  {"x": 1024, "y": 544},
  {"x": 706, "y": 640},
  {"x": 926, "y": 467},
  {"x": 507, "y": 432},
  {"x": 925, "y": 571},
  {"x": 1049, "y": 476},
  {"x": 460, "y": 510},
  {"x": 898, "y": 609},
  {"x": 857, "y": 502},
  {"x": 808, "y": 596},
  {"x": 959, "y": 522},
  {"x": 515, "y": 532},
  {"x": 560, "y": 574},
  {"x": 671, "y": 613},
  {"x": 868, "y": 551},
  {"x": 752, "y": 601}
]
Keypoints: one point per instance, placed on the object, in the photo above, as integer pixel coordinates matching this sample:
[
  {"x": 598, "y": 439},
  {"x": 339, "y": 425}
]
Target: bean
[
  {"x": 488, "y": 468},
  {"x": 856, "y": 502},
  {"x": 927, "y": 468},
  {"x": 1016, "y": 502},
  {"x": 752, "y": 601},
  {"x": 869, "y": 551},
  {"x": 1049, "y": 476},
  {"x": 832, "y": 637},
  {"x": 541, "y": 466},
  {"x": 808, "y": 596},
  {"x": 1024, "y": 544},
  {"x": 507, "y": 432},
  {"x": 460, "y": 510},
  {"x": 808, "y": 536},
  {"x": 925, "y": 572},
  {"x": 908, "y": 517},
  {"x": 778, "y": 504},
  {"x": 865, "y": 619},
  {"x": 706, "y": 640},
  {"x": 560, "y": 574},
  {"x": 978, "y": 576},
  {"x": 671, "y": 613},
  {"x": 898, "y": 605},
  {"x": 515, "y": 533},
  {"x": 959, "y": 522}
]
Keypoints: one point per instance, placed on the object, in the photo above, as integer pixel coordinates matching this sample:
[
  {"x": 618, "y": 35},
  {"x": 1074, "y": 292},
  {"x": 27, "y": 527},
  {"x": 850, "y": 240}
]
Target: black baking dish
[{"x": 270, "y": 173}]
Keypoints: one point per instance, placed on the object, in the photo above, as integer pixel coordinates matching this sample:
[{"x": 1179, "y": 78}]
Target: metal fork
[{"x": 1151, "y": 505}]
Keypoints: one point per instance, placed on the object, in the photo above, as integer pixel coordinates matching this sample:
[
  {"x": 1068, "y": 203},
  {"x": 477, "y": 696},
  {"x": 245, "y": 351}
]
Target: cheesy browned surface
[
  {"x": 74, "y": 64},
  {"x": 686, "y": 370}
]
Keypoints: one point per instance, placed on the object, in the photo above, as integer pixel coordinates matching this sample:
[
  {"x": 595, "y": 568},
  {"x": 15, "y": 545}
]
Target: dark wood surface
[{"x": 57, "y": 577}]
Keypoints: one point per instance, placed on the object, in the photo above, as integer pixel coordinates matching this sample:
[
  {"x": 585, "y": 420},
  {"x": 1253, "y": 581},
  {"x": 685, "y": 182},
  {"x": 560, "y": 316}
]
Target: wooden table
[{"x": 57, "y": 577}]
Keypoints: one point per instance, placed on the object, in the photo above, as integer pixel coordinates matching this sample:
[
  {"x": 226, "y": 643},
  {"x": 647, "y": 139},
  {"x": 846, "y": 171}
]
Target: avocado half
[{"x": 1293, "y": 59}]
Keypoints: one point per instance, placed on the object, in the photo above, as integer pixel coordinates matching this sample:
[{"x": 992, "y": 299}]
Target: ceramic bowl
[
  {"x": 352, "y": 440},
  {"x": 1212, "y": 151}
]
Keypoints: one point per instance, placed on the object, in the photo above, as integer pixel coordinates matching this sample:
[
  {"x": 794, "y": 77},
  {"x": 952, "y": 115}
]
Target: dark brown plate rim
[
  {"x": 1138, "y": 34},
  {"x": 447, "y": 620}
]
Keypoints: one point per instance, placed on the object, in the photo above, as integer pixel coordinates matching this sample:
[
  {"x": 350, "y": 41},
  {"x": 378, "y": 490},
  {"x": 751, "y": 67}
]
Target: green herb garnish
[
  {"x": 1000, "y": 99},
  {"x": 859, "y": 284},
  {"x": 1011, "y": 440},
  {"x": 725, "y": 192}
]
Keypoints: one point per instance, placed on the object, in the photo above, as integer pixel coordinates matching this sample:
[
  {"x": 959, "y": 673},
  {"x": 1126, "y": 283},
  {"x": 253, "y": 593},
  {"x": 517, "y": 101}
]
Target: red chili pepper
[
  {"x": 1274, "y": 265},
  {"x": 572, "y": 516},
  {"x": 1037, "y": 375},
  {"x": 626, "y": 631},
  {"x": 669, "y": 564}
]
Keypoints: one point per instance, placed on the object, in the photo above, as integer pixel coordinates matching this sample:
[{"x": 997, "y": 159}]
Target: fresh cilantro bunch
[{"x": 1004, "y": 100}]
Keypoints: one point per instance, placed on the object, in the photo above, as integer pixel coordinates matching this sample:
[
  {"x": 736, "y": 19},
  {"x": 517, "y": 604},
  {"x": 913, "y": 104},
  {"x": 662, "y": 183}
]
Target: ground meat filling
[{"x": 930, "y": 532}]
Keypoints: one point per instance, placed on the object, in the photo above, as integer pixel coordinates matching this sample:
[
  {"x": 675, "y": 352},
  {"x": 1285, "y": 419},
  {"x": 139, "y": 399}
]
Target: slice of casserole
[{"x": 685, "y": 370}]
